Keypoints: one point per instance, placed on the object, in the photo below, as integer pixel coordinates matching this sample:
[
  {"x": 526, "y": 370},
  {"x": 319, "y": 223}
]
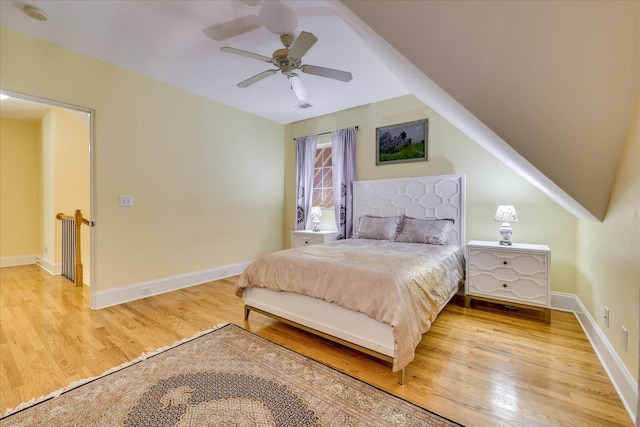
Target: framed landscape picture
[{"x": 404, "y": 142}]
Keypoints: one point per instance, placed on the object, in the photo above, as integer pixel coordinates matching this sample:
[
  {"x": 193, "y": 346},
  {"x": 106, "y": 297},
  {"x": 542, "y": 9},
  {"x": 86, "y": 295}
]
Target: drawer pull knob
[
  {"x": 504, "y": 262},
  {"x": 504, "y": 285}
]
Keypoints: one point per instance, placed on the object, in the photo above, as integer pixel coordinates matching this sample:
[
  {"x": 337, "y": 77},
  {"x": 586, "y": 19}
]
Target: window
[{"x": 323, "y": 178}]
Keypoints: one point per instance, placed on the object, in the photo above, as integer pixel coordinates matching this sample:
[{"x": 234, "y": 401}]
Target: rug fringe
[{"x": 143, "y": 356}]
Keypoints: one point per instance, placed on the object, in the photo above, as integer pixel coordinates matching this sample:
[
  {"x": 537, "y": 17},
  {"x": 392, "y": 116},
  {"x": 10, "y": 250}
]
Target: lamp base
[
  {"x": 505, "y": 232},
  {"x": 316, "y": 225}
]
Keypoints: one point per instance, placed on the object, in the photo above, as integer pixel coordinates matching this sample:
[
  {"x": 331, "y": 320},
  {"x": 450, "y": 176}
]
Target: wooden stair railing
[{"x": 71, "y": 253}]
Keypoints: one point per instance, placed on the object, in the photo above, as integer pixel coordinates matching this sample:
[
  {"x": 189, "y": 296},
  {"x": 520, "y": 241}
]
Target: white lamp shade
[
  {"x": 506, "y": 213},
  {"x": 298, "y": 87},
  {"x": 316, "y": 212}
]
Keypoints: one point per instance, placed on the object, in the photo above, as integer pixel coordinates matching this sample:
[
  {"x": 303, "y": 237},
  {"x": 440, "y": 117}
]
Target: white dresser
[
  {"x": 516, "y": 275},
  {"x": 308, "y": 237}
]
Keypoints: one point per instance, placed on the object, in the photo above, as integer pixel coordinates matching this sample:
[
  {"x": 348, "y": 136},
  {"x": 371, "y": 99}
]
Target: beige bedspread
[{"x": 404, "y": 285}]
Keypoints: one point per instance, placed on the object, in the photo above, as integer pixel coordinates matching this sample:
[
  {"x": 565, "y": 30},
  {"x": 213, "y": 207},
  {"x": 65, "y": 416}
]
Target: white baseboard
[
  {"x": 566, "y": 302},
  {"x": 622, "y": 380},
  {"x": 14, "y": 261},
  {"x": 102, "y": 299},
  {"x": 49, "y": 266}
]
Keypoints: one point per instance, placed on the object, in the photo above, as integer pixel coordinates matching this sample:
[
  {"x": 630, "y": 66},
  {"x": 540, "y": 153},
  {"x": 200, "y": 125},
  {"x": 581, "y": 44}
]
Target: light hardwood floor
[{"x": 476, "y": 367}]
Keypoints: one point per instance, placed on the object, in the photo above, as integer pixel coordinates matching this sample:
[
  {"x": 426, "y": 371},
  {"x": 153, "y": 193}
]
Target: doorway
[{"x": 47, "y": 162}]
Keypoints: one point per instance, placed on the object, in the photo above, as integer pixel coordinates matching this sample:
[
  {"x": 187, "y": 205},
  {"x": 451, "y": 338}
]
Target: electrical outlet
[
  {"x": 624, "y": 338},
  {"x": 126, "y": 201},
  {"x": 145, "y": 290},
  {"x": 606, "y": 317}
]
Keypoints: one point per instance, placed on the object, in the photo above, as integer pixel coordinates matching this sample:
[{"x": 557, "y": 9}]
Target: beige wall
[
  {"x": 176, "y": 153},
  {"x": 47, "y": 184},
  {"x": 608, "y": 255},
  {"x": 72, "y": 175},
  {"x": 489, "y": 182},
  {"x": 65, "y": 181},
  {"x": 19, "y": 188}
]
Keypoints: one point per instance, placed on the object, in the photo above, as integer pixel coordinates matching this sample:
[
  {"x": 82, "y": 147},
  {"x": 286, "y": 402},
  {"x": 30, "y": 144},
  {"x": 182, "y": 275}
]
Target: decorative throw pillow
[
  {"x": 379, "y": 228},
  {"x": 430, "y": 231}
]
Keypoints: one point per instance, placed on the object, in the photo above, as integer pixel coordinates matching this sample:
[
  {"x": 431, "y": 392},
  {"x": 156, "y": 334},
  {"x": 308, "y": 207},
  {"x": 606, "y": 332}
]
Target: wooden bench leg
[
  {"x": 247, "y": 310},
  {"x": 401, "y": 376}
]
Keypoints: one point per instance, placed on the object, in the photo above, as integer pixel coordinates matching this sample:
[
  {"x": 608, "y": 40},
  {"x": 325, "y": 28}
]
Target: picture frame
[{"x": 403, "y": 142}]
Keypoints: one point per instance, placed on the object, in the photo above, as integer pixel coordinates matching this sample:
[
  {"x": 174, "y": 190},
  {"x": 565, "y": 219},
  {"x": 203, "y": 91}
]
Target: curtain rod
[{"x": 325, "y": 133}]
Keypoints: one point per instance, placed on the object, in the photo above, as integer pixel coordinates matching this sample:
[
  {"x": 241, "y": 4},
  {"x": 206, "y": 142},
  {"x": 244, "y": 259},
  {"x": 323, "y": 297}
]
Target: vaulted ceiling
[
  {"x": 547, "y": 86},
  {"x": 556, "y": 80}
]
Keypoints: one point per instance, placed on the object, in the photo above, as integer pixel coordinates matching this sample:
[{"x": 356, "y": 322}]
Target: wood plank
[{"x": 474, "y": 366}]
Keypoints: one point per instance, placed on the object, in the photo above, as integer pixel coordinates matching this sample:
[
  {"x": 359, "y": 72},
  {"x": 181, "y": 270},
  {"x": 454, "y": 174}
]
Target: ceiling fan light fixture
[{"x": 297, "y": 87}]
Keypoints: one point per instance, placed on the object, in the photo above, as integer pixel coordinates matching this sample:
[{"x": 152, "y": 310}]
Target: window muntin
[{"x": 323, "y": 178}]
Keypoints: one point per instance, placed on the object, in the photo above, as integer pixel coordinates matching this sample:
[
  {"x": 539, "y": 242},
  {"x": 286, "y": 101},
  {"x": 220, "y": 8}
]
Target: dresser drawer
[
  {"x": 306, "y": 239},
  {"x": 509, "y": 287},
  {"x": 525, "y": 264}
]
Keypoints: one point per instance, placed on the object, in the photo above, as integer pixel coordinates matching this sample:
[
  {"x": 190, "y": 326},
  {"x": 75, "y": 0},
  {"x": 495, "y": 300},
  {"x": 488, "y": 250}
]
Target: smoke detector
[{"x": 35, "y": 12}]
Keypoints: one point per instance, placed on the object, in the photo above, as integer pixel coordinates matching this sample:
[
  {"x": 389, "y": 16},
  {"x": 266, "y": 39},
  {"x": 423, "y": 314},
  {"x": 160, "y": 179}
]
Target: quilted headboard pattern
[{"x": 427, "y": 197}]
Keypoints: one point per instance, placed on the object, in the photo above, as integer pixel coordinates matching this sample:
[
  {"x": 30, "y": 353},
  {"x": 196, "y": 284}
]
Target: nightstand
[
  {"x": 516, "y": 276},
  {"x": 308, "y": 237}
]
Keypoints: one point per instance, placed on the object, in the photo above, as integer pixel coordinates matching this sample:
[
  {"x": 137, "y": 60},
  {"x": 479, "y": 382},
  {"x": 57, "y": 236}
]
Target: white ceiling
[{"x": 164, "y": 40}]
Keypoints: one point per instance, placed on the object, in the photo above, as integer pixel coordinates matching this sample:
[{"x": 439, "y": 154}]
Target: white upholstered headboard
[{"x": 426, "y": 197}]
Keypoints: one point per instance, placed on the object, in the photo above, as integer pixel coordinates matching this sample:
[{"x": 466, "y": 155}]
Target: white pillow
[
  {"x": 430, "y": 231},
  {"x": 379, "y": 228}
]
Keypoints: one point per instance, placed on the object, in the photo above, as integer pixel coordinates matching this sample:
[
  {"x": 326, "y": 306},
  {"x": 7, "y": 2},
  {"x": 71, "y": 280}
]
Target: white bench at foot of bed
[{"x": 349, "y": 328}]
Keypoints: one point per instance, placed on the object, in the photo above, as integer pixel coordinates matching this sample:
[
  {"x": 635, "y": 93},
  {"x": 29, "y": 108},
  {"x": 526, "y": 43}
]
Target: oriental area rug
[{"x": 224, "y": 377}]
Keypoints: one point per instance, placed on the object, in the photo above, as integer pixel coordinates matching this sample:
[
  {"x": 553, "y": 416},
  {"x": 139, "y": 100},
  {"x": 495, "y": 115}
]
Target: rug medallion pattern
[{"x": 227, "y": 377}]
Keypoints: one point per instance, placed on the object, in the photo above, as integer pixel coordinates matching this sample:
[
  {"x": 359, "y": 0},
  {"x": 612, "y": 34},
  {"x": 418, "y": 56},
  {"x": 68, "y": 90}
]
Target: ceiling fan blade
[
  {"x": 256, "y": 78},
  {"x": 344, "y": 76},
  {"x": 302, "y": 44},
  {"x": 232, "y": 28},
  {"x": 315, "y": 11},
  {"x": 245, "y": 53}
]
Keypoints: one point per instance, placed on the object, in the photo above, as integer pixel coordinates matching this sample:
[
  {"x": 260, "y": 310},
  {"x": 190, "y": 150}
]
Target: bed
[{"x": 370, "y": 293}]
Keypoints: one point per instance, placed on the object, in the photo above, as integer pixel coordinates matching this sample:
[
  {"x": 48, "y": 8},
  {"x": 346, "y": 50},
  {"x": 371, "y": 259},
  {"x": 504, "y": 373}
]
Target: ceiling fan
[{"x": 288, "y": 60}]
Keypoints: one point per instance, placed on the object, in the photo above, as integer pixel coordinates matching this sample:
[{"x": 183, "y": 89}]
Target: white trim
[
  {"x": 620, "y": 377},
  {"x": 14, "y": 261},
  {"x": 565, "y": 302},
  {"x": 160, "y": 286},
  {"x": 50, "y": 267}
]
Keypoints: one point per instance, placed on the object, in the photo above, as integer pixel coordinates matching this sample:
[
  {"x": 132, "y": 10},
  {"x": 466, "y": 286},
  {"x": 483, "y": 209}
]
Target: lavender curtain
[
  {"x": 343, "y": 144},
  {"x": 306, "y": 156}
]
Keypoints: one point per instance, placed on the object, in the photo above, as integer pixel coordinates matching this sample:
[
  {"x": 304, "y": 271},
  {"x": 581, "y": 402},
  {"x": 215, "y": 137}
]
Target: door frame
[{"x": 92, "y": 189}]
